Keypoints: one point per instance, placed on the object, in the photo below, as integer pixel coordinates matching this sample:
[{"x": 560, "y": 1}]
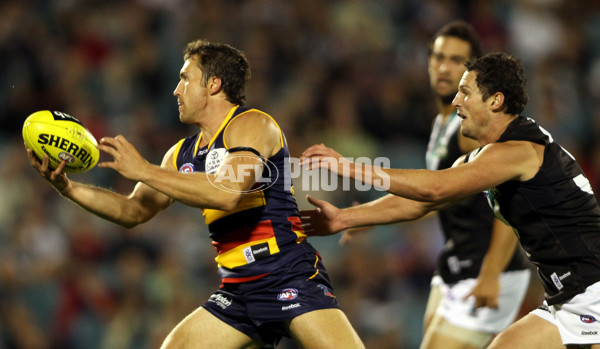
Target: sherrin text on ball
[{"x": 61, "y": 136}]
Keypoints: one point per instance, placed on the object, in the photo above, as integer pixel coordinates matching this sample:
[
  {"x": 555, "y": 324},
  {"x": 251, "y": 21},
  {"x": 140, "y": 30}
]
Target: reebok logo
[
  {"x": 291, "y": 306},
  {"x": 257, "y": 251},
  {"x": 565, "y": 275},
  {"x": 589, "y": 333}
]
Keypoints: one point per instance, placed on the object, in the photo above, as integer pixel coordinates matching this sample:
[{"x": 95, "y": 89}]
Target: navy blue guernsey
[
  {"x": 555, "y": 215},
  {"x": 466, "y": 225},
  {"x": 250, "y": 237}
]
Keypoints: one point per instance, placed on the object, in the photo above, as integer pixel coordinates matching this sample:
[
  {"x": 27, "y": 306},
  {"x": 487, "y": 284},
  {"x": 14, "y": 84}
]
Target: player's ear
[
  {"x": 497, "y": 101},
  {"x": 214, "y": 85}
]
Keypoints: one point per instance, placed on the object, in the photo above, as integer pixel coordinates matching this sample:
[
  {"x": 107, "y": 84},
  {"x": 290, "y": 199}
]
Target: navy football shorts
[{"x": 262, "y": 308}]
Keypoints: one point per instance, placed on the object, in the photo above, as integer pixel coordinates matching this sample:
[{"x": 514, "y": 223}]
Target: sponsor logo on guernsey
[
  {"x": 256, "y": 252},
  {"x": 588, "y": 319},
  {"x": 187, "y": 168},
  {"x": 214, "y": 159},
  {"x": 556, "y": 281},
  {"x": 291, "y": 306},
  {"x": 589, "y": 333},
  {"x": 288, "y": 294},
  {"x": 220, "y": 300}
]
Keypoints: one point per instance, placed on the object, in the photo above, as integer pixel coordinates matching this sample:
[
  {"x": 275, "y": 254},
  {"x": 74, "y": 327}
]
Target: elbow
[
  {"x": 131, "y": 223},
  {"x": 435, "y": 193},
  {"x": 228, "y": 202}
]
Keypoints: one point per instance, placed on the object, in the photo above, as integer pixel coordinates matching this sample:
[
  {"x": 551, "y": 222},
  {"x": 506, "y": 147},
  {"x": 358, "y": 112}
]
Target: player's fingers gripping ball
[{"x": 61, "y": 137}]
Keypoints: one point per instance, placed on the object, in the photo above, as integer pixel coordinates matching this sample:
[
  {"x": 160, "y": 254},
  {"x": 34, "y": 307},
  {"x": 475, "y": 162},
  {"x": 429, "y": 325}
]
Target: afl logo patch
[
  {"x": 67, "y": 157},
  {"x": 588, "y": 319},
  {"x": 288, "y": 294},
  {"x": 187, "y": 168}
]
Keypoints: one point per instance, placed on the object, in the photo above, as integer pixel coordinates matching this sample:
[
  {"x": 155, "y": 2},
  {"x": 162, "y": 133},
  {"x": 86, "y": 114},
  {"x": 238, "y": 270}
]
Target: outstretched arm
[
  {"x": 327, "y": 219},
  {"x": 222, "y": 190},
  {"x": 496, "y": 163},
  {"x": 142, "y": 204}
]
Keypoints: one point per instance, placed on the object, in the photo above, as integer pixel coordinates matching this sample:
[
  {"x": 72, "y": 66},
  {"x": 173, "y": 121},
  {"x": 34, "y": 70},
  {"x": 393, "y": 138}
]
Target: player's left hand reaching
[{"x": 321, "y": 221}]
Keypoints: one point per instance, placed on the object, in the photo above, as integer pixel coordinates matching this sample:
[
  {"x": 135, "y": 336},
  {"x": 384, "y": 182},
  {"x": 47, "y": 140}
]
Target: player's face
[
  {"x": 472, "y": 109},
  {"x": 191, "y": 92},
  {"x": 446, "y": 66}
]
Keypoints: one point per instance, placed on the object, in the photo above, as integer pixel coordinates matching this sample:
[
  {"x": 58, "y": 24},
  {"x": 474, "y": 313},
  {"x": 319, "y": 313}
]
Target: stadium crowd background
[{"x": 350, "y": 73}]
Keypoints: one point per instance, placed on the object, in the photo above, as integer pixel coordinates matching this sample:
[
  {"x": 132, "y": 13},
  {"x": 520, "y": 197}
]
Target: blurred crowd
[{"x": 349, "y": 73}]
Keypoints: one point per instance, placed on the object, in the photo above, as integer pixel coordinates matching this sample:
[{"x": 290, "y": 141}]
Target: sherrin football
[{"x": 61, "y": 137}]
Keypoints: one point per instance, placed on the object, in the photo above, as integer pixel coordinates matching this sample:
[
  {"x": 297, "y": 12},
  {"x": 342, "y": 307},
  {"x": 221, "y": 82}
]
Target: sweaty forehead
[
  {"x": 468, "y": 80},
  {"x": 190, "y": 68}
]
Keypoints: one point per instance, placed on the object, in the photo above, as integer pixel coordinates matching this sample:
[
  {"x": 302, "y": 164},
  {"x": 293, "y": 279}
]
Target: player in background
[
  {"x": 273, "y": 282},
  {"x": 530, "y": 181}
]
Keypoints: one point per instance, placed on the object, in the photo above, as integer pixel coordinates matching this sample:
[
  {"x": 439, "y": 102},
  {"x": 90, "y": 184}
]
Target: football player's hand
[{"x": 56, "y": 177}]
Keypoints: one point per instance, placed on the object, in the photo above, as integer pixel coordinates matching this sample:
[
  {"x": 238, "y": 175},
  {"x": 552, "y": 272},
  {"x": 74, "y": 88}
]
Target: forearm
[
  {"x": 386, "y": 210},
  {"x": 419, "y": 185},
  {"x": 103, "y": 203},
  {"x": 193, "y": 189}
]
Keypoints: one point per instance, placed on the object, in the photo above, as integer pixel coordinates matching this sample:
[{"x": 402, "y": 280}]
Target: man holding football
[{"x": 273, "y": 282}]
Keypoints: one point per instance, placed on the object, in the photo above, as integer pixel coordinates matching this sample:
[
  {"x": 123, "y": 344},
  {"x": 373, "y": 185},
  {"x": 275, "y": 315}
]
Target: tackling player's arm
[
  {"x": 253, "y": 130},
  {"x": 327, "y": 219},
  {"x": 496, "y": 163}
]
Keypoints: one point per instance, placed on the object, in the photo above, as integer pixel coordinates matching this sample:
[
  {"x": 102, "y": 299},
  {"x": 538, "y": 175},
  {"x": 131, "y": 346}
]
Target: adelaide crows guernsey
[
  {"x": 555, "y": 215},
  {"x": 250, "y": 238},
  {"x": 467, "y": 225}
]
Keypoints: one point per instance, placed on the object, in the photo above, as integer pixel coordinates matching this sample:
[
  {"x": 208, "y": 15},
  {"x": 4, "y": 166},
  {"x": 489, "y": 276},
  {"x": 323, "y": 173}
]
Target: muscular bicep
[
  {"x": 250, "y": 139},
  {"x": 254, "y": 130},
  {"x": 495, "y": 164}
]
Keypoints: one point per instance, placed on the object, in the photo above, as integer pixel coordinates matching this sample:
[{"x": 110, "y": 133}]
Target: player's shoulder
[
  {"x": 253, "y": 118},
  {"x": 255, "y": 129},
  {"x": 252, "y": 121}
]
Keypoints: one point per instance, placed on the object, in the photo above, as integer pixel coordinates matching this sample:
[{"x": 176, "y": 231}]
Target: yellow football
[{"x": 61, "y": 137}]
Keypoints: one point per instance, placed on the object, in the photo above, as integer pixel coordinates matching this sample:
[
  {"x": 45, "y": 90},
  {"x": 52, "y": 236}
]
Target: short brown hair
[{"x": 225, "y": 62}]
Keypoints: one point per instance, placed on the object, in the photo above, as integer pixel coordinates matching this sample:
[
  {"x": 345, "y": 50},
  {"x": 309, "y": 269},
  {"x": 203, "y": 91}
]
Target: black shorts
[{"x": 262, "y": 308}]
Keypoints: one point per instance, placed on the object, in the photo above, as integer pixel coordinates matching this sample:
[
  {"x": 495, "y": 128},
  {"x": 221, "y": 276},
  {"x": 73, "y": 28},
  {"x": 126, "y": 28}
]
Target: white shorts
[
  {"x": 462, "y": 312},
  {"x": 578, "y": 320}
]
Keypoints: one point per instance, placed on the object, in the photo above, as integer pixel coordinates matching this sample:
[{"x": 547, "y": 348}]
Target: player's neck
[
  {"x": 496, "y": 129},
  {"x": 212, "y": 120}
]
